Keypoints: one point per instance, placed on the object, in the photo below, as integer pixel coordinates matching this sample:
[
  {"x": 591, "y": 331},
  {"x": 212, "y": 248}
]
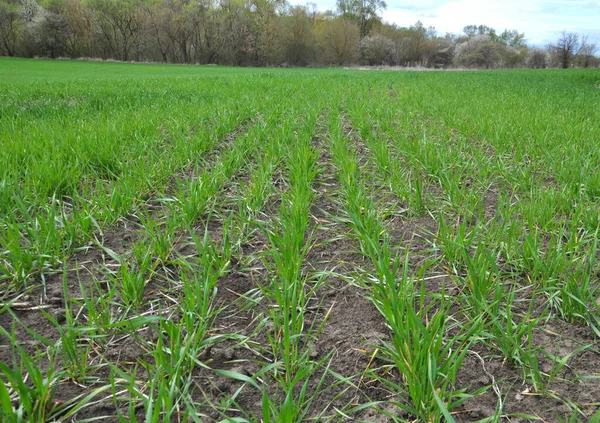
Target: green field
[{"x": 208, "y": 244}]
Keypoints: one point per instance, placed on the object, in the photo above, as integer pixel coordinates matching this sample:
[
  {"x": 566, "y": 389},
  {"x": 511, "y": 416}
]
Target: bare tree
[
  {"x": 80, "y": 28},
  {"x": 179, "y": 18},
  {"x": 156, "y": 27},
  {"x": 585, "y": 54},
  {"x": 236, "y": 44},
  {"x": 120, "y": 24},
  {"x": 565, "y": 48},
  {"x": 265, "y": 30}
]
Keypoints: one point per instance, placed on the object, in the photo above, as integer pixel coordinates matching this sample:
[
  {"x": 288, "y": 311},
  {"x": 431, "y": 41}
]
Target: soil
[{"x": 353, "y": 327}]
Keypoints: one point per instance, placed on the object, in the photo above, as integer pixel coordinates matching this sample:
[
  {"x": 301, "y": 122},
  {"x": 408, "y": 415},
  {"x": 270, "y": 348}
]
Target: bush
[
  {"x": 378, "y": 50},
  {"x": 537, "y": 58}
]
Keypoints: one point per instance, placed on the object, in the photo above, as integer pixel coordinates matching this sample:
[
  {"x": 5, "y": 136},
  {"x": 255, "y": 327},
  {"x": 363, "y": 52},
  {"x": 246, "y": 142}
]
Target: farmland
[{"x": 207, "y": 244}]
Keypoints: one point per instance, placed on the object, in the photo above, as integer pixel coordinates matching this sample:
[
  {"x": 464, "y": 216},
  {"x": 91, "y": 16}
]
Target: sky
[{"x": 540, "y": 20}]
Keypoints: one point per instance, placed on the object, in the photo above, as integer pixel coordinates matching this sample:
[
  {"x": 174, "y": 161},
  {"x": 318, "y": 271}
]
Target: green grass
[{"x": 168, "y": 233}]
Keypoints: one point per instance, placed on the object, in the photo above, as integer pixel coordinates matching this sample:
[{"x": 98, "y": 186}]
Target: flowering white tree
[{"x": 377, "y": 50}]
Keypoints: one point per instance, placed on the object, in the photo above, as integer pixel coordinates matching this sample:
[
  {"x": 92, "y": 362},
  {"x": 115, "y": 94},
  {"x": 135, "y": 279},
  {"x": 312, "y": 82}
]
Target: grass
[{"x": 182, "y": 243}]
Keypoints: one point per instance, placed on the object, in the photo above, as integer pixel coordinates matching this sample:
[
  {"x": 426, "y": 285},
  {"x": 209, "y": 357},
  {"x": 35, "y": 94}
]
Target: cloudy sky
[{"x": 540, "y": 20}]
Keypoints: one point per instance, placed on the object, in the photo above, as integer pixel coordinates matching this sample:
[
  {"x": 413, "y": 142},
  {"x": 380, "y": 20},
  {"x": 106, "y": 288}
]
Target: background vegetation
[{"x": 263, "y": 33}]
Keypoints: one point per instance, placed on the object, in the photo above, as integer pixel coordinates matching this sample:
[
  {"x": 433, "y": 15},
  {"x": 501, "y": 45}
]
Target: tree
[
  {"x": 33, "y": 16},
  {"x": 173, "y": 24},
  {"x": 340, "y": 41},
  {"x": 156, "y": 26},
  {"x": 207, "y": 31},
  {"x": 585, "y": 54},
  {"x": 565, "y": 48},
  {"x": 299, "y": 35},
  {"x": 11, "y": 25},
  {"x": 263, "y": 18},
  {"x": 364, "y": 12},
  {"x": 236, "y": 44},
  {"x": 53, "y": 32},
  {"x": 512, "y": 38},
  {"x": 473, "y": 30},
  {"x": 443, "y": 53},
  {"x": 120, "y": 24},
  {"x": 415, "y": 45},
  {"x": 80, "y": 28}
]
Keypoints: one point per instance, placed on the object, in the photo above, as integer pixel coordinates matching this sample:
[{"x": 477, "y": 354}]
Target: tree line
[{"x": 264, "y": 33}]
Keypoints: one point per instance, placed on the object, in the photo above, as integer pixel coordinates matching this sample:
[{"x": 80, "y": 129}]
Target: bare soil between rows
[{"x": 348, "y": 344}]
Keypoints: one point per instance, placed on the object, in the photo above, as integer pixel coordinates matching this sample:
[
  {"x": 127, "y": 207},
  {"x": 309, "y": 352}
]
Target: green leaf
[
  {"x": 438, "y": 400},
  {"x": 5, "y": 402}
]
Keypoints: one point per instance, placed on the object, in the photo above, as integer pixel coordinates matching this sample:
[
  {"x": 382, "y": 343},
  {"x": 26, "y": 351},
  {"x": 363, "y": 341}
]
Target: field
[{"x": 206, "y": 244}]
